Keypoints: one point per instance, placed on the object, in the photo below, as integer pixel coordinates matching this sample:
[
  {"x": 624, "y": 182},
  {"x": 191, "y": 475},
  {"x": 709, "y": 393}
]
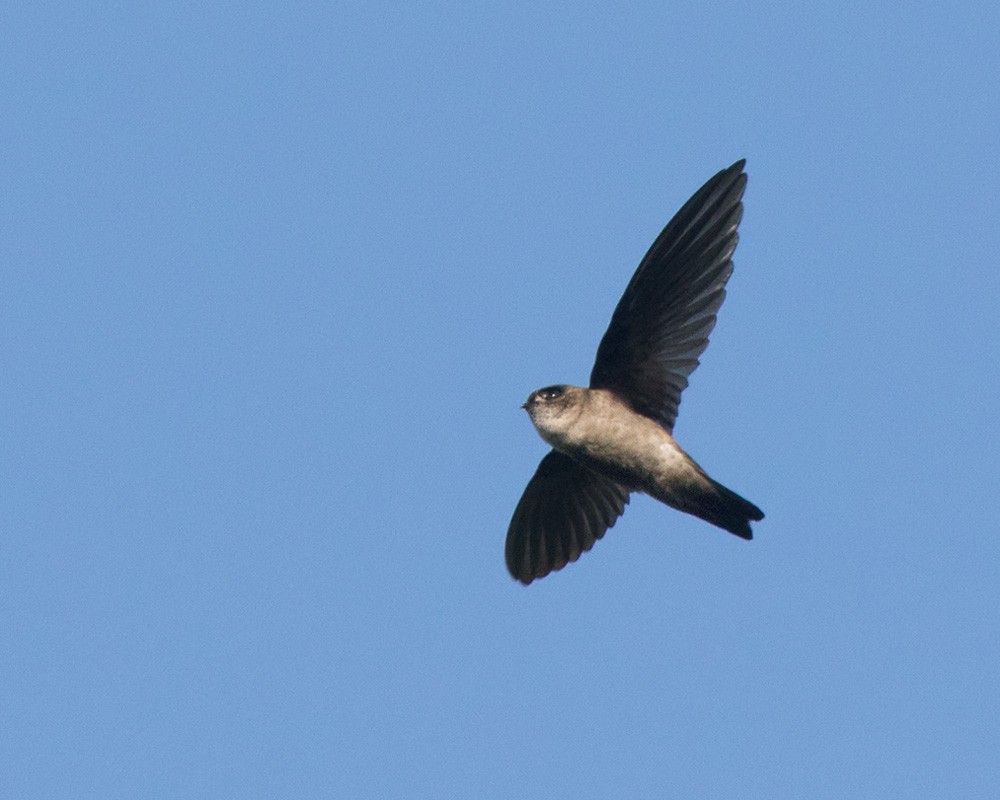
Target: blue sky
[{"x": 276, "y": 279}]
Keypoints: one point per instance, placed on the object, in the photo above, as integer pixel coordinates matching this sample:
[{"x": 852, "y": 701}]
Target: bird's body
[
  {"x": 616, "y": 437},
  {"x": 600, "y": 431},
  {"x": 604, "y": 434}
]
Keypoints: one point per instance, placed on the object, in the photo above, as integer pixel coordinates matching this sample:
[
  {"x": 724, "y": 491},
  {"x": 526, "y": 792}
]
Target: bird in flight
[{"x": 616, "y": 437}]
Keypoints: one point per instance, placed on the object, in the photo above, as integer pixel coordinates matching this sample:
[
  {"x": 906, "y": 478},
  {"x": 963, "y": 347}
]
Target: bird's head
[{"x": 553, "y": 409}]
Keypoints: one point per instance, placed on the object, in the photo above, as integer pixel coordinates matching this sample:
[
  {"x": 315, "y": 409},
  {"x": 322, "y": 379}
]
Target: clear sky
[{"x": 276, "y": 279}]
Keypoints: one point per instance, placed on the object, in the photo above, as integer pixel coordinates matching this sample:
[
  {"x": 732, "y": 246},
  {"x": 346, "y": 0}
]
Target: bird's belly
[{"x": 638, "y": 462}]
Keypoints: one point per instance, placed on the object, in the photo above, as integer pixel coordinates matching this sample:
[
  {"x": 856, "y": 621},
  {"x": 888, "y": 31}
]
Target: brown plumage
[{"x": 616, "y": 437}]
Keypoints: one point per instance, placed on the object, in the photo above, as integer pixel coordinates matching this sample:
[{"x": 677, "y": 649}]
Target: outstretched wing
[
  {"x": 563, "y": 511},
  {"x": 661, "y": 324}
]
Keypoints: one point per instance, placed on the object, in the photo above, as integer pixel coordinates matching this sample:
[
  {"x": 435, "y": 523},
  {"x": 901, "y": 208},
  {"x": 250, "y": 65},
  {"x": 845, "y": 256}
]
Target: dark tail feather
[{"x": 728, "y": 510}]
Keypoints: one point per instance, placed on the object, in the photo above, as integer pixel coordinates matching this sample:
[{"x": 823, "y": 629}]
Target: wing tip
[{"x": 527, "y": 565}]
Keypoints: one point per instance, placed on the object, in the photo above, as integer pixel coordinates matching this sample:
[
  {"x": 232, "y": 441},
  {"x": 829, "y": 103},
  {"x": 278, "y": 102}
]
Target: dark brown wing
[
  {"x": 563, "y": 511},
  {"x": 661, "y": 325}
]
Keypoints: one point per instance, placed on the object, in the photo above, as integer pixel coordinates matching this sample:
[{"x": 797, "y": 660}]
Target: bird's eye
[{"x": 550, "y": 392}]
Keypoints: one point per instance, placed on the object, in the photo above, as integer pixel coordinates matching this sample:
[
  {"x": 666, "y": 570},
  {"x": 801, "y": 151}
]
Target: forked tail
[{"x": 726, "y": 509}]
